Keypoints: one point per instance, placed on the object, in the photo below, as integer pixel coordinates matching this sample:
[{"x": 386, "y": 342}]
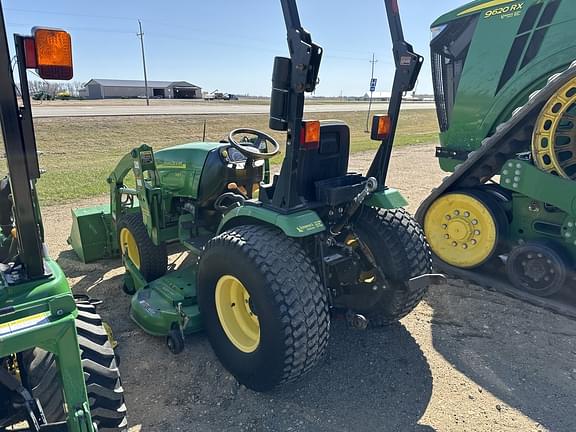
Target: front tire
[
  {"x": 399, "y": 248},
  {"x": 264, "y": 308},
  {"x": 133, "y": 238}
]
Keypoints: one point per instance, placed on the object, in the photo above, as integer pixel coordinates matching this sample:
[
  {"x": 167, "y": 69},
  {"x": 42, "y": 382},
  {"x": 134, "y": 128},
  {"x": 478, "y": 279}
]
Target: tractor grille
[
  {"x": 439, "y": 90},
  {"x": 449, "y": 53}
]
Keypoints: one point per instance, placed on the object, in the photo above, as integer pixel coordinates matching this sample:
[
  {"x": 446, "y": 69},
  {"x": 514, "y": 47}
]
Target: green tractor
[
  {"x": 505, "y": 86},
  {"x": 273, "y": 256},
  {"x": 58, "y": 370}
]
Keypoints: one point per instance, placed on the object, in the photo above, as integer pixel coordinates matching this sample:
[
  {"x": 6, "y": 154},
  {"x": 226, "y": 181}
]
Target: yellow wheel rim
[
  {"x": 461, "y": 230},
  {"x": 239, "y": 322},
  {"x": 129, "y": 247},
  {"x": 554, "y": 141}
]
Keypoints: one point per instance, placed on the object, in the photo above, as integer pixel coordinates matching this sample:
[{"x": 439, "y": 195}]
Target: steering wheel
[{"x": 253, "y": 149}]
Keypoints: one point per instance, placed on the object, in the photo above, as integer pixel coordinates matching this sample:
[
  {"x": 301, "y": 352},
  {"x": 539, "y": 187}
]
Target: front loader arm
[{"x": 408, "y": 65}]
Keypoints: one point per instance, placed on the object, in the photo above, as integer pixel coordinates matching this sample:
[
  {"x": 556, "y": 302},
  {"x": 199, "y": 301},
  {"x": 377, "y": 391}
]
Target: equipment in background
[
  {"x": 271, "y": 256},
  {"x": 505, "y": 87},
  {"x": 58, "y": 371}
]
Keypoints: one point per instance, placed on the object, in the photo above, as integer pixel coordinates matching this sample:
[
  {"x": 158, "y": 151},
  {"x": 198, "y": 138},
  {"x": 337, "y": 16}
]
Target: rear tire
[
  {"x": 283, "y": 290},
  {"x": 400, "y": 250},
  {"x": 153, "y": 260},
  {"x": 101, "y": 374}
]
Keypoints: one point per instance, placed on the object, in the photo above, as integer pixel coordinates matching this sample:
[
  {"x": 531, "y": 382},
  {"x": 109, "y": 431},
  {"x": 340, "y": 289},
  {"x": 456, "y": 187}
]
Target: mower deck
[{"x": 168, "y": 303}]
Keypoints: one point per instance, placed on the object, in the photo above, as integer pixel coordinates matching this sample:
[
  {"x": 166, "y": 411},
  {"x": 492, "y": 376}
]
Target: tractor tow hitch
[{"x": 370, "y": 187}]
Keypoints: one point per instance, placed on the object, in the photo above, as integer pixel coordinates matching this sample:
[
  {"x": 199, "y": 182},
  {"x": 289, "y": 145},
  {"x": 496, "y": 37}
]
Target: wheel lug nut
[
  {"x": 474, "y": 222},
  {"x": 445, "y": 226},
  {"x": 464, "y": 246},
  {"x": 466, "y": 214},
  {"x": 477, "y": 232},
  {"x": 456, "y": 213},
  {"x": 455, "y": 244},
  {"x": 446, "y": 236},
  {"x": 448, "y": 217},
  {"x": 474, "y": 242}
]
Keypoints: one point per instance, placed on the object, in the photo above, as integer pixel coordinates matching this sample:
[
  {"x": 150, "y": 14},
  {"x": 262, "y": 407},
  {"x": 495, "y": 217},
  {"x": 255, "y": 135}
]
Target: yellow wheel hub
[
  {"x": 235, "y": 313},
  {"x": 554, "y": 141},
  {"x": 461, "y": 230},
  {"x": 129, "y": 246}
]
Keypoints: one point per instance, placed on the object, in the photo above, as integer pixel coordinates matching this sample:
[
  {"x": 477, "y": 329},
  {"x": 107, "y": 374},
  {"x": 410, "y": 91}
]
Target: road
[{"x": 78, "y": 110}]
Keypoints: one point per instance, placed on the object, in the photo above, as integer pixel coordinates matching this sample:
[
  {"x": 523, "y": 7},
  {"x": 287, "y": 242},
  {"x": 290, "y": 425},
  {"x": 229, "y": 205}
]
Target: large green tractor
[
  {"x": 505, "y": 86},
  {"x": 273, "y": 256},
  {"x": 58, "y": 370}
]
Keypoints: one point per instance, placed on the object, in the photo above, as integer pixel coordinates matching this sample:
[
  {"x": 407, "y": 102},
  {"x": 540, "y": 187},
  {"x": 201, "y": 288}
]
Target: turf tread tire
[
  {"x": 298, "y": 302},
  {"x": 401, "y": 250},
  {"x": 153, "y": 258}
]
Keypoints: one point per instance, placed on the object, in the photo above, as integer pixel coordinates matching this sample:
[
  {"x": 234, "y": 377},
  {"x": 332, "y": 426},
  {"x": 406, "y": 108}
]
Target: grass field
[{"x": 78, "y": 154}]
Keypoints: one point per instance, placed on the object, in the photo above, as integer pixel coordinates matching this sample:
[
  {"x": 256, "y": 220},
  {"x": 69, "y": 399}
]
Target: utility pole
[
  {"x": 372, "y": 88},
  {"x": 141, "y": 36}
]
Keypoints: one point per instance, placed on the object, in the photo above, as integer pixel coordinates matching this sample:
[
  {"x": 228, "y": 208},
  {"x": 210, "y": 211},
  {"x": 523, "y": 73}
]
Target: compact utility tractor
[
  {"x": 57, "y": 367},
  {"x": 505, "y": 86},
  {"x": 275, "y": 255}
]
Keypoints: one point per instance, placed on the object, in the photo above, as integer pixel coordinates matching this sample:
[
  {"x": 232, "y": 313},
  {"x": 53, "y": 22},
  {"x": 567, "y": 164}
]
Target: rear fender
[{"x": 297, "y": 225}]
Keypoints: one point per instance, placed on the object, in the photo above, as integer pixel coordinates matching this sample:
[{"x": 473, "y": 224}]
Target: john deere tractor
[
  {"x": 505, "y": 86},
  {"x": 58, "y": 371},
  {"x": 275, "y": 256}
]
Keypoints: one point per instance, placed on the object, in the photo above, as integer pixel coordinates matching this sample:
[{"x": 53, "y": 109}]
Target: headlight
[{"x": 437, "y": 30}]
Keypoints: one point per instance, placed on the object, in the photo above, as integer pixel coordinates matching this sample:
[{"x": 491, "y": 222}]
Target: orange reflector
[
  {"x": 381, "y": 125},
  {"x": 30, "y": 53},
  {"x": 53, "y": 53},
  {"x": 310, "y": 135}
]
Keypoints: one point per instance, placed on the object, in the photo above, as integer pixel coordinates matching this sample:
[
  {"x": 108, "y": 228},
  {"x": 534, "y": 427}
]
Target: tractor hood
[
  {"x": 180, "y": 167},
  {"x": 488, "y": 8}
]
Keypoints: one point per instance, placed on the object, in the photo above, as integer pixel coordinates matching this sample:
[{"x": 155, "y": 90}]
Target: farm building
[{"x": 115, "y": 89}]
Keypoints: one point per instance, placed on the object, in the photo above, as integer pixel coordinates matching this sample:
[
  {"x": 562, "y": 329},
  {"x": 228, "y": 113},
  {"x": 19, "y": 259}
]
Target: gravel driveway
[{"x": 467, "y": 359}]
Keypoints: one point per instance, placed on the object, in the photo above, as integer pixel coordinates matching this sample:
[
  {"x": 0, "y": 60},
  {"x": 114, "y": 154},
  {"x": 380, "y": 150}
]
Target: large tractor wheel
[
  {"x": 264, "y": 308},
  {"x": 465, "y": 229},
  {"x": 133, "y": 238},
  {"x": 393, "y": 251},
  {"x": 101, "y": 375},
  {"x": 554, "y": 141}
]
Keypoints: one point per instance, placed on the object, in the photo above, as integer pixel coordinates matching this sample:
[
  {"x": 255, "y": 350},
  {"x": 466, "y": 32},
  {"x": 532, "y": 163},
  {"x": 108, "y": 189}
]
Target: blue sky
[{"x": 229, "y": 44}]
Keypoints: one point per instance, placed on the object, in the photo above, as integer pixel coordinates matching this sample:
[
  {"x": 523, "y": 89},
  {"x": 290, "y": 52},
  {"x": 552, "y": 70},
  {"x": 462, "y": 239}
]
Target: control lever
[{"x": 370, "y": 187}]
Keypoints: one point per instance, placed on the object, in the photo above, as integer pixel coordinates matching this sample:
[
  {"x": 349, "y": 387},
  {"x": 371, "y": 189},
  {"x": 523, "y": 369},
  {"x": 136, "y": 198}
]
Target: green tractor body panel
[
  {"x": 488, "y": 59},
  {"x": 301, "y": 224},
  {"x": 388, "y": 199},
  {"x": 180, "y": 167},
  {"x": 41, "y": 313}
]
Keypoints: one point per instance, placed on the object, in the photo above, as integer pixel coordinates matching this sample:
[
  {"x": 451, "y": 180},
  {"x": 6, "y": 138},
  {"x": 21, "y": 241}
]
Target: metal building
[{"x": 116, "y": 89}]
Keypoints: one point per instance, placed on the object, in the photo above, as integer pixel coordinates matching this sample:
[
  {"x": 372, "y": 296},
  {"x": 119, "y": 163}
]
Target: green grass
[{"x": 78, "y": 154}]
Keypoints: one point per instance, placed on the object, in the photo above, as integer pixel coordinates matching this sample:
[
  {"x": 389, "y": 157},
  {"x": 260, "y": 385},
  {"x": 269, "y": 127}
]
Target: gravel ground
[{"x": 466, "y": 359}]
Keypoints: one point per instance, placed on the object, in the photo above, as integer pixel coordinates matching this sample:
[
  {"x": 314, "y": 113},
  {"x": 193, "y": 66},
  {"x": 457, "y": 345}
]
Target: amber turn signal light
[
  {"x": 53, "y": 53},
  {"x": 381, "y": 125},
  {"x": 310, "y": 135}
]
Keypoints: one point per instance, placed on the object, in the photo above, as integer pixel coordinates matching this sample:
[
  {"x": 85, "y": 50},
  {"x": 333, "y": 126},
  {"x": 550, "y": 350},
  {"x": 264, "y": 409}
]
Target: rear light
[
  {"x": 310, "y": 135},
  {"x": 30, "y": 53},
  {"x": 53, "y": 53},
  {"x": 381, "y": 125}
]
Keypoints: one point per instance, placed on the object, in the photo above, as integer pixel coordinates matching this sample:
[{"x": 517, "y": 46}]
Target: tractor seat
[{"x": 329, "y": 161}]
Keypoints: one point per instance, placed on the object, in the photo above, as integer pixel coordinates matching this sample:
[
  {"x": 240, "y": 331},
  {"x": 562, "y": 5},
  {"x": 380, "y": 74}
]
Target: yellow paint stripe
[
  {"x": 23, "y": 323},
  {"x": 486, "y": 5}
]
